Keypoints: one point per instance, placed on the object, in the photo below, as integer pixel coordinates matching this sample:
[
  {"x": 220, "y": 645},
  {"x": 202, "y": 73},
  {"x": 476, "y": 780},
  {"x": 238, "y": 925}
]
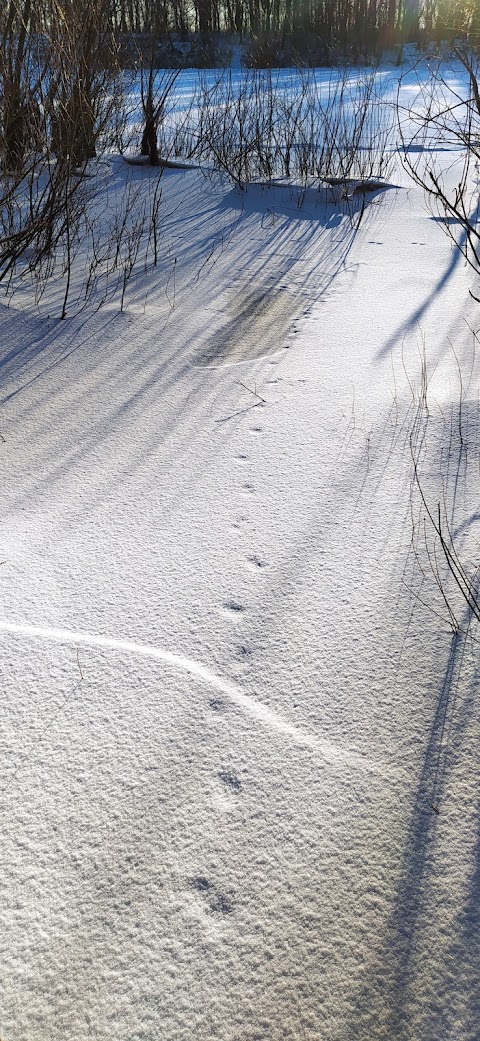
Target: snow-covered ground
[{"x": 239, "y": 784}]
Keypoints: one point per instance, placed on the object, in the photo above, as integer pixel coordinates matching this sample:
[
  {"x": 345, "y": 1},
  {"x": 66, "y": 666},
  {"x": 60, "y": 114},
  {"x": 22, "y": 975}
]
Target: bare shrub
[
  {"x": 262, "y": 126},
  {"x": 22, "y": 72},
  {"x": 446, "y": 115},
  {"x": 59, "y": 75},
  {"x": 84, "y": 97},
  {"x": 444, "y": 446}
]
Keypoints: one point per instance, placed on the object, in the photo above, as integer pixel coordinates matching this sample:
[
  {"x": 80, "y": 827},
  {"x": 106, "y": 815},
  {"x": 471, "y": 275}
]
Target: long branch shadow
[
  {"x": 413, "y": 320},
  {"x": 384, "y": 1006},
  {"x": 468, "y": 944},
  {"x": 393, "y": 996},
  {"x": 263, "y": 307}
]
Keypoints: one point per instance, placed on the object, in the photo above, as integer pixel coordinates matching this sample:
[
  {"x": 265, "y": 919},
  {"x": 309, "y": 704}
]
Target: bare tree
[
  {"x": 155, "y": 87},
  {"x": 450, "y": 112},
  {"x": 85, "y": 83},
  {"x": 443, "y": 110},
  {"x": 22, "y": 70}
]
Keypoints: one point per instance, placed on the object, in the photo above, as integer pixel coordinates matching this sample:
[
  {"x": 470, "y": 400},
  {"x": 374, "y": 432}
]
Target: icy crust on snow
[{"x": 239, "y": 785}]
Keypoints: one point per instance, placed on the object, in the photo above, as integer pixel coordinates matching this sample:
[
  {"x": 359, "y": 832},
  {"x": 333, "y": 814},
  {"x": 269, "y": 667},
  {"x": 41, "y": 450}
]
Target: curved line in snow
[{"x": 258, "y": 711}]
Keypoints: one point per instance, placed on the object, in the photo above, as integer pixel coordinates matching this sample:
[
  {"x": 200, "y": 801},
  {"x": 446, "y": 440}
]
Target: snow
[{"x": 239, "y": 738}]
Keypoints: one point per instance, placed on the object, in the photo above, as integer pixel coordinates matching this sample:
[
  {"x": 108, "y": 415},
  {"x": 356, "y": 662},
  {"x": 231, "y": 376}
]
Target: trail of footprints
[
  {"x": 217, "y": 902},
  {"x": 254, "y": 562}
]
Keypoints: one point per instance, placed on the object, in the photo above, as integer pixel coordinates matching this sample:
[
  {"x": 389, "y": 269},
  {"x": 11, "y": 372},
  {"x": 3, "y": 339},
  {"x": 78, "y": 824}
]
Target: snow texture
[{"x": 239, "y": 792}]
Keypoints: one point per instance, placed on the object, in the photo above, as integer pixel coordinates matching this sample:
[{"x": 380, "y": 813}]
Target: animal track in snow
[
  {"x": 256, "y": 562},
  {"x": 239, "y": 522},
  {"x": 201, "y": 884},
  {"x": 218, "y": 704},
  {"x": 221, "y": 905},
  {"x": 244, "y": 652},
  {"x": 234, "y": 607},
  {"x": 230, "y": 779}
]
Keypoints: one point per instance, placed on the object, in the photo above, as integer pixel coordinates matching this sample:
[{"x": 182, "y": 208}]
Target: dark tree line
[
  {"x": 62, "y": 96},
  {"x": 361, "y": 25},
  {"x": 336, "y": 19},
  {"x": 60, "y": 60}
]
